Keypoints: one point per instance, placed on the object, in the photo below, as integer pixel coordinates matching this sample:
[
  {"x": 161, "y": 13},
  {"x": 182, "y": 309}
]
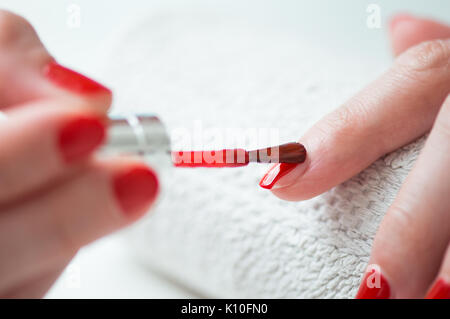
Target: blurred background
[
  {"x": 339, "y": 26},
  {"x": 75, "y": 33}
]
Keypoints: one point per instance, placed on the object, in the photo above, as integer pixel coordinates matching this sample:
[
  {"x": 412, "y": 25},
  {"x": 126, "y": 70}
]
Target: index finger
[
  {"x": 392, "y": 111},
  {"x": 44, "y": 141}
]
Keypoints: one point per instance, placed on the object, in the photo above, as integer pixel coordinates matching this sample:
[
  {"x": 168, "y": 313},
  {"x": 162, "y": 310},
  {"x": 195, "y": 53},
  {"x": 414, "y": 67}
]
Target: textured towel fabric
[{"x": 214, "y": 230}]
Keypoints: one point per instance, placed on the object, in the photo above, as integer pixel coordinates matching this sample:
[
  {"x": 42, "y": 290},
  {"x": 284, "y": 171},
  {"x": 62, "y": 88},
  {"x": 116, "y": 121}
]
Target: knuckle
[
  {"x": 340, "y": 120},
  {"x": 349, "y": 121},
  {"x": 427, "y": 56},
  {"x": 348, "y": 128},
  {"x": 12, "y": 27}
]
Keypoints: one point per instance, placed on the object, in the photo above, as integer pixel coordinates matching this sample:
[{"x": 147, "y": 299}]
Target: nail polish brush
[{"x": 145, "y": 135}]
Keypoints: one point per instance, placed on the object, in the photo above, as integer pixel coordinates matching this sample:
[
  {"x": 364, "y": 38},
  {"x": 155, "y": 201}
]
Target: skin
[
  {"x": 409, "y": 100},
  {"x": 48, "y": 212}
]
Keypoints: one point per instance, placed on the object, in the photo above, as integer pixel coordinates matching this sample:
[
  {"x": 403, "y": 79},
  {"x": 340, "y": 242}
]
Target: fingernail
[
  {"x": 73, "y": 81},
  {"x": 374, "y": 286},
  {"x": 440, "y": 290},
  {"x": 79, "y": 137},
  {"x": 399, "y": 18},
  {"x": 136, "y": 189},
  {"x": 282, "y": 175}
]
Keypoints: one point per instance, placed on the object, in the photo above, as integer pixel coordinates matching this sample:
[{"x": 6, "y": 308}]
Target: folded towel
[{"x": 215, "y": 230}]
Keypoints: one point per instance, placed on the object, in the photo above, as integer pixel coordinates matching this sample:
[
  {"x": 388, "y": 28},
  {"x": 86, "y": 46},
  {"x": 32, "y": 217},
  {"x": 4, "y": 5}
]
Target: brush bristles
[
  {"x": 292, "y": 153},
  {"x": 285, "y": 153}
]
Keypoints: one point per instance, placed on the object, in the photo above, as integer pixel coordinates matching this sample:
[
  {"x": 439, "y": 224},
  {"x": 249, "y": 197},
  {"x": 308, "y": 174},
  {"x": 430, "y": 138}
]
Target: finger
[
  {"x": 37, "y": 287},
  {"x": 407, "y": 31},
  {"x": 441, "y": 286},
  {"x": 28, "y": 72},
  {"x": 48, "y": 229},
  {"x": 370, "y": 124},
  {"x": 414, "y": 234},
  {"x": 41, "y": 142}
]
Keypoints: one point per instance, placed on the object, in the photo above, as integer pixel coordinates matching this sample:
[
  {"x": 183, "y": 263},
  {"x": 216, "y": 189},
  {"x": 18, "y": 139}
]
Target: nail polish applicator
[{"x": 145, "y": 135}]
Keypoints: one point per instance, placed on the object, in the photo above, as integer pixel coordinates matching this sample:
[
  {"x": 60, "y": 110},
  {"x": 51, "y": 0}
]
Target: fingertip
[
  {"x": 80, "y": 136},
  {"x": 439, "y": 290},
  {"x": 296, "y": 192},
  {"x": 72, "y": 80},
  {"x": 67, "y": 80},
  {"x": 407, "y": 30},
  {"x": 374, "y": 285},
  {"x": 398, "y": 18},
  {"x": 135, "y": 189},
  {"x": 271, "y": 180}
]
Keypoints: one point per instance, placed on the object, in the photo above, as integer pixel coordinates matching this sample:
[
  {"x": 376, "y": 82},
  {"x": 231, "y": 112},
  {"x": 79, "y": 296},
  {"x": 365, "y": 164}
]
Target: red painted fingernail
[
  {"x": 275, "y": 173},
  {"x": 72, "y": 80},
  {"x": 79, "y": 137},
  {"x": 440, "y": 290},
  {"x": 374, "y": 286},
  {"x": 136, "y": 189}
]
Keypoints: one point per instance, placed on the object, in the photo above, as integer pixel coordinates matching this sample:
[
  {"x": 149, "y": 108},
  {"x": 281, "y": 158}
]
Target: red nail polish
[
  {"x": 440, "y": 290},
  {"x": 79, "y": 137},
  {"x": 135, "y": 189},
  {"x": 72, "y": 80},
  {"x": 374, "y": 286},
  {"x": 274, "y": 174}
]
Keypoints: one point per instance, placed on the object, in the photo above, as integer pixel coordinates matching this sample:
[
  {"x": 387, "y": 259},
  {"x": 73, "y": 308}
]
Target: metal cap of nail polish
[{"x": 142, "y": 135}]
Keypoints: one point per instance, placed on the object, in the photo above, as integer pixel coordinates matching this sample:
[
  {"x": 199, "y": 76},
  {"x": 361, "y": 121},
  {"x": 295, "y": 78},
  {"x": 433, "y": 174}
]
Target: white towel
[{"x": 215, "y": 230}]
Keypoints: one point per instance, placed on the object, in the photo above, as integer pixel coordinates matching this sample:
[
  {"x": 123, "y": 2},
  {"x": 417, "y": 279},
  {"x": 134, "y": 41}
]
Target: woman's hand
[
  {"x": 55, "y": 196},
  {"x": 411, "y": 250}
]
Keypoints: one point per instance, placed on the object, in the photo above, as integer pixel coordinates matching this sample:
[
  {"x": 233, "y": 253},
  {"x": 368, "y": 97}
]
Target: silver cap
[{"x": 142, "y": 135}]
